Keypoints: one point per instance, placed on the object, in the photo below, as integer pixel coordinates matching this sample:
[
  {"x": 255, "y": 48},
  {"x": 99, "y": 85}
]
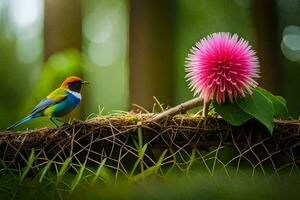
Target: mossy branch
[{"x": 179, "y": 129}]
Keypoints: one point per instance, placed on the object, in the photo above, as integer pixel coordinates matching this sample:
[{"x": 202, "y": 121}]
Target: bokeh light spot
[
  {"x": 290, "y": 44},
  {"x": 103, "y": 54},
  {"x": 97, "y": 28},
  {"x": 25, "y": 12}
]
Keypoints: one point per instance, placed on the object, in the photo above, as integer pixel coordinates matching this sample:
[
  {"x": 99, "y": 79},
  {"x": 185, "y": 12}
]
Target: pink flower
[{"x": 222, "y": 66}]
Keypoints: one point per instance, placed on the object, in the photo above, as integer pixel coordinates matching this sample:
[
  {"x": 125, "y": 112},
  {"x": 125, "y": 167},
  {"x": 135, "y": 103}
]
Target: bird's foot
[
  {"x": 66, "y": 124},
  {"x": 52, "y": 120},
  {"x": 76, "y": 121},
  {"x": 59, "y": 120}
]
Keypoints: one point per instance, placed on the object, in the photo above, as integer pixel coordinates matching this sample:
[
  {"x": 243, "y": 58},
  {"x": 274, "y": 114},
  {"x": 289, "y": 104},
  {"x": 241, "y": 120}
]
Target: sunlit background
[{"x": 131, "y": 50}]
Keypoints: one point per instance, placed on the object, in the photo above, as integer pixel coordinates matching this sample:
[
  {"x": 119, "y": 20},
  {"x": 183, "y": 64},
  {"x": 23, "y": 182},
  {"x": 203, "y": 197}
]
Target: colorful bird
[{"x": 58, "y": 103}]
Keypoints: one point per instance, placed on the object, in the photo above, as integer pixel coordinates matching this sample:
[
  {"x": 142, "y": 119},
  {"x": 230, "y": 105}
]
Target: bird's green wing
[
  {"x": 53, "y": 98},
  {"x": 57, "y": 95}
]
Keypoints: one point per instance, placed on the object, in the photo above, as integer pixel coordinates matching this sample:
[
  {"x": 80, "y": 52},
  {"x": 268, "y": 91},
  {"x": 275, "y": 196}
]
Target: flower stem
[{"x": 205, "y": 108}]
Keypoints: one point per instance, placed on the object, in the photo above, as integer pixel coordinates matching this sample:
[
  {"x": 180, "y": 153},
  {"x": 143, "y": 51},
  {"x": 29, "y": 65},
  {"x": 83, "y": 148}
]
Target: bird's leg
[
  {"x": 60, "y": 120},
  {"x": 52, "y": 120}
]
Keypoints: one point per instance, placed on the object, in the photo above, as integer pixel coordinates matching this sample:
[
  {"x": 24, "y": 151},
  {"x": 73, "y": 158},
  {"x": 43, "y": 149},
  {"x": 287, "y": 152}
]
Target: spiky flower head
[{"x": 222, "y": 66}]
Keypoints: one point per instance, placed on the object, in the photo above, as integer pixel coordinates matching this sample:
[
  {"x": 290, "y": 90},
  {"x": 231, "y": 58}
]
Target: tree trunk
[
  {"x": 265, "y": 18},
  {"x": 62, "y": 25},
  {"x": 150, "y": 54}
]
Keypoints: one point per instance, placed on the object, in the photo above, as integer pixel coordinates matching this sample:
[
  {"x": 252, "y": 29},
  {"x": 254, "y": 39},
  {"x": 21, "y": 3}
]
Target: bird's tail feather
[{"x": 26, "y": 119}]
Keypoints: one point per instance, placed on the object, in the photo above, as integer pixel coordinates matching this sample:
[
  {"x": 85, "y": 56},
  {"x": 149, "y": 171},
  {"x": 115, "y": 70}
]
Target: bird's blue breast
[{"x": 65, "y": 106}]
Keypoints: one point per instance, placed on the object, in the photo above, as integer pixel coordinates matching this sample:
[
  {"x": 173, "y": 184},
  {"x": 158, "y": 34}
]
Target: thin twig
[
  {"x": 158, "y": 103},
  {"x": 141, "y": 108}
]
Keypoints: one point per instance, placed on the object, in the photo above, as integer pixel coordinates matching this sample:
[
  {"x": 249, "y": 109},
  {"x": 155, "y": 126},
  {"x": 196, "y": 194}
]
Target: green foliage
[
  {"x": 175, "y": 173},
  {"x": 151, "y": 170},
  {"x": 78, "y": 176},
  {"x": 194, "y": 183},
  {"x": 258, "y": 106},
  {"x": 231, "y": 113},
  {"x": 279, "y": 103},
  {"x": 262, "y": 105},
  {"x": 64, "y": 168},
  {"x": 99, "y": 171},
  {"x": 44, "y": 170},
  {"x": 141, "y": 149},
  {"x": 28, "y": 166}
]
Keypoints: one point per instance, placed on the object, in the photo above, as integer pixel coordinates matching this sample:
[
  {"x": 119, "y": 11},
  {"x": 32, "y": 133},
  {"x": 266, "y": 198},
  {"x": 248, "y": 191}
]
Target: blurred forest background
[{"x": 131, "y": 50}]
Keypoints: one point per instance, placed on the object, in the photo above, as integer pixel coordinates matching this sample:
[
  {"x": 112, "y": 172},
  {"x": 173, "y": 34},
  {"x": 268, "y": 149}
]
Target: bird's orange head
[{"x": 73, "y": 83}]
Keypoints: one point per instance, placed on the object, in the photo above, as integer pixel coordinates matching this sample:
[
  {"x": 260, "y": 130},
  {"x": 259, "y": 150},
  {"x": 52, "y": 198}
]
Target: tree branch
[
  {"x": 181, "y": 108},
  {"x": 108, "y": 135}
]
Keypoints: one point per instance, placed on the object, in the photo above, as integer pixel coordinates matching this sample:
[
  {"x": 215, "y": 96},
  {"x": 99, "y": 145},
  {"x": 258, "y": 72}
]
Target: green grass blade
[
  {"x": 97, "y": 174},
  {"x": 151, "y": 170},
  {"x": 141, "y": 149},
  {"x": 140, "y": 137},
  {"x": 160, "y": 160},
  {"x": 3, "y": 165},
  {"x": 136, "y": 145},
  {"x": 28, "y": 167},
  {"x": 44, "y": 170},
  {"x": 64, "y": 167},
  {"x": 141, "y": 153},
  {"x": 192, "y": 159},
  {"x": 78, "y": 176}
]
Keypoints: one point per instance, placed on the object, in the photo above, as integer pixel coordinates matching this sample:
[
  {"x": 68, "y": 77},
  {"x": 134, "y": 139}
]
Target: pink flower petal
[{"x": 222, "y": 66}]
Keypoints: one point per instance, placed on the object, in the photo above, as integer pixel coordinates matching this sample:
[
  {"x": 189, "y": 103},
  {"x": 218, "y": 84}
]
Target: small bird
[{"x": 58, "y": 103}]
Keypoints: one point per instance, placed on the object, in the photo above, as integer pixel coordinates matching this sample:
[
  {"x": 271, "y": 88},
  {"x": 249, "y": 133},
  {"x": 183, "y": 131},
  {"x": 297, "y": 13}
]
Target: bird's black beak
[{"x": 84, "y": 82}]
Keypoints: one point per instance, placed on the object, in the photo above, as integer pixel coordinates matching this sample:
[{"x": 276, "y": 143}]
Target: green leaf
[
  {"x": 284, "y": 113},
  {"x": 231, "y": 113},
  {"x": 279, "y": 103},
  {"x": 260, "y": 107}
]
